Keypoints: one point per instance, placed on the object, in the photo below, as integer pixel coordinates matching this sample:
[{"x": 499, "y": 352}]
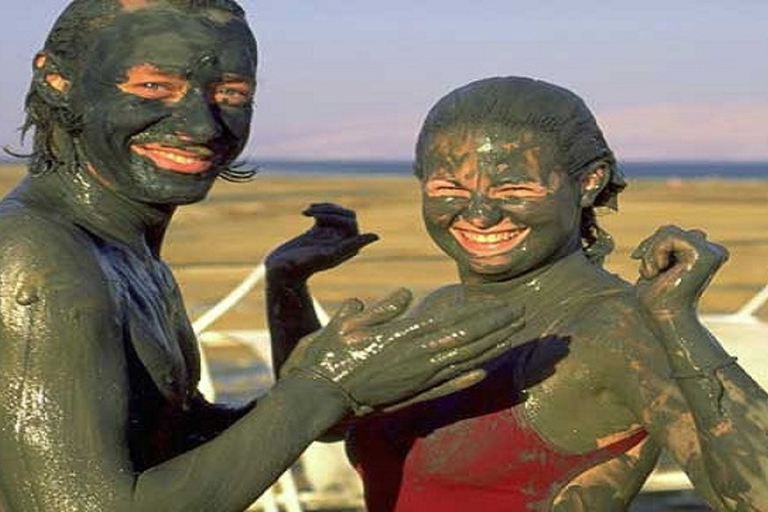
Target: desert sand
[{"x": 214, "y": 244}]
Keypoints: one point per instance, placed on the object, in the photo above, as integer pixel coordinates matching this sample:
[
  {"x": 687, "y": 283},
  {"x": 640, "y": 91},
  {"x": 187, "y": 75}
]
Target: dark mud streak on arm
[
  {"x": 610, "y": 486},
  {"x": 637, "y": 372},
  {"x": 729, "y": 408}
]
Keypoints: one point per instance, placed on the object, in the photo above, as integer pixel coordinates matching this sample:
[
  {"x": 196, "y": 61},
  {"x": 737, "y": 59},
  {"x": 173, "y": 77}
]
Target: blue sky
[{"x": 667, "y": 79}]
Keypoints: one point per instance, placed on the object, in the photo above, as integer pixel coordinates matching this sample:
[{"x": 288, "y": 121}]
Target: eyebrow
[
  {"x": 150, "y": 69},
  {"x": 452, "y": 181}
]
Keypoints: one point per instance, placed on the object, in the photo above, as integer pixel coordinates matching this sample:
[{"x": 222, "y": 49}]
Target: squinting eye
[
  {"x": 523, "y": 191},
  {"x": 440, "y": 188}
]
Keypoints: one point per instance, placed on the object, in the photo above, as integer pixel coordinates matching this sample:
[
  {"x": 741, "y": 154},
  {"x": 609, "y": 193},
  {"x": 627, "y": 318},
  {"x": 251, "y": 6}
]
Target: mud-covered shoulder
[
  {"x": 42, "y": 257},
  {"x": 440, "y": 298},
  {"x": 612, "y": 315},
  {"x": 617, "y": 336}
]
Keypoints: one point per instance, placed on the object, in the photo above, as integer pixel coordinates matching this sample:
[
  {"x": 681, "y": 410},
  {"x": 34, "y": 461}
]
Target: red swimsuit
[{"x": 468, "y": 451}]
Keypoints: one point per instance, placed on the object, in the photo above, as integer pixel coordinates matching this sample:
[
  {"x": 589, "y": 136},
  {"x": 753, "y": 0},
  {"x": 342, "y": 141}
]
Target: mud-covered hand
[
  {"x": 377, "y": 356},
  {"x": 676, "y": 265},
  {"x": 333, "y": 239}
]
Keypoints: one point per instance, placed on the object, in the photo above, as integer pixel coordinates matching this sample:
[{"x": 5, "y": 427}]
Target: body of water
[{"x": 633, "y": 170}]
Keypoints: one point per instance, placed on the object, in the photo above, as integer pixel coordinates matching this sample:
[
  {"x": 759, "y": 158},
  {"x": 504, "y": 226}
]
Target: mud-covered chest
[{"x": 156, "y": 330}]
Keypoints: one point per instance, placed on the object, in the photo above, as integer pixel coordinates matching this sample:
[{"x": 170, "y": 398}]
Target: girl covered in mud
[{"x": 604, "y": 373}]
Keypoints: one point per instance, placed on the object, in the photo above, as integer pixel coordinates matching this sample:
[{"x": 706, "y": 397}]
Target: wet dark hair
[
  {"x": 73, "y": 33},
  {"x": 545, "y": 109}
]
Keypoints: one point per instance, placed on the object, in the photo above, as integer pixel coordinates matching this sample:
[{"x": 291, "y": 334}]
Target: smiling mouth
[
  {"x": 192, "y": 160},
  {"x": 489, "y": 243}
]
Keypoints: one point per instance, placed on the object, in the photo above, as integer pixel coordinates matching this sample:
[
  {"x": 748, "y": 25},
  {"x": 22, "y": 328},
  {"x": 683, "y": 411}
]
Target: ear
[
  {"x": 593, "y": 182},
  {"x": 49, "y": 82}
]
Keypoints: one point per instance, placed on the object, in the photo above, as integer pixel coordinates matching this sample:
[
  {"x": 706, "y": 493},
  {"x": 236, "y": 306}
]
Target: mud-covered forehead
[
  {"x": 520, "y": 102},
  {"x": 487, "y": 147},
  {"x": 105, "y": 31},
  {"x": 174, "y": 41},
  {"x": 487, "y": 138},
  {"x": 83, "y": 20}
]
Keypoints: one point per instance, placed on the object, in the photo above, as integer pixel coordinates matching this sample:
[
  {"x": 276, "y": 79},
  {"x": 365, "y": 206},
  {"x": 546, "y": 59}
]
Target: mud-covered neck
[
  {"x": 545, "y": 286},
  {"x": 74, "y": 192}
]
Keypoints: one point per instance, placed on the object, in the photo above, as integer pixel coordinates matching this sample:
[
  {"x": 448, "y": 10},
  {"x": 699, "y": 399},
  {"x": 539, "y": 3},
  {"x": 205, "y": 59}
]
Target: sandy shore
[{"x": 213, "y": 245}]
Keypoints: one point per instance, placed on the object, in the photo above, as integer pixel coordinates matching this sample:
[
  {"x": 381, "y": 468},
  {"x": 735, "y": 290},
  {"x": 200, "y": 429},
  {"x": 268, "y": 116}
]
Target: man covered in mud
[
  {"x": 137, "y": 107},
  {"x": 511, "y": 171}
]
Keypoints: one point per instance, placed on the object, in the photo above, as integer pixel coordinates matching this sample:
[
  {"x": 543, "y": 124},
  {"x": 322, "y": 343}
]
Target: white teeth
[
  {"x": 174, "y": 157},
  {"x": 491, "y": 238}
]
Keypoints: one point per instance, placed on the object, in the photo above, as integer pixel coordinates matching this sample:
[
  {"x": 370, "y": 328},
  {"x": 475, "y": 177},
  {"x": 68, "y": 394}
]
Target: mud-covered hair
[
  {"x": 545, "y": 109},
  {"x": 72, "y": 35}
]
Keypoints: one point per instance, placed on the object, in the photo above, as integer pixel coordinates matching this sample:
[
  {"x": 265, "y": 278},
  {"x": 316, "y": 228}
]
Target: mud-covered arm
[
  {"x": 631, "y": 368},
  {"x": 67, "y": 449},
  {"x": 612, "y": 485},
  {"x": 333, "y": 239},
  {"x": 362, "y": 361},
  {"x": 729, "y": 408},
  {"x": 64, "y": 403},
  {"x": 65, "y": 391}
]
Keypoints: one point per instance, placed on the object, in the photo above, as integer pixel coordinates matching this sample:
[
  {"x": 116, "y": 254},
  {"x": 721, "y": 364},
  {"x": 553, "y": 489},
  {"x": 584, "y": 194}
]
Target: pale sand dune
[{"x": 212, "y": 245}]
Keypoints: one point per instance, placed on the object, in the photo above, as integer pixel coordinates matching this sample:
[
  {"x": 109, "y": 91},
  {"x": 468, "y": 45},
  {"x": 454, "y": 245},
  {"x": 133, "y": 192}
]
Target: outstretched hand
[
  {"x": 333, "y": 239},
  {"x": 676, "y": 265},
  {"x": 377, "y": 357}
]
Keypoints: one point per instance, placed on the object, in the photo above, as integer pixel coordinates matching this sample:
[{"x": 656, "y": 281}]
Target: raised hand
[
  {"x": 377, "y": 357},
  {"x": 676, "y": 265},
  {"x": 333, "y": 239}
]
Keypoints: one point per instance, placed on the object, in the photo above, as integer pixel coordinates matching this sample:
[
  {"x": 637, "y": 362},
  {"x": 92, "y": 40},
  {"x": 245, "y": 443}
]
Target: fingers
[
  {"x": 366, "y": 239},
  {"x": 328, "y": 253},
  {"x": 661, "y": 239},
  {"x": 698, "y": 233},
  {"x": 385, "y": 310},
  {"x": 472, "y": 352},
  {"x": 451, "y": 371},
  {"x": 479, "y": 319},
  {"x": 672, "y": 246},
  {"x": 350, "y": 247},
  {"x": 328, "y": 209},
  {"x": 463, "y": 381},
  {"x": 347, "y": 309},
  {"x": 329, "y": 215},
  {"x": 455, "y": 352},
  {"x": 337, "y": 226},
  {"x": 297, "y": 356},
  {"x": 655, "y": 252}
]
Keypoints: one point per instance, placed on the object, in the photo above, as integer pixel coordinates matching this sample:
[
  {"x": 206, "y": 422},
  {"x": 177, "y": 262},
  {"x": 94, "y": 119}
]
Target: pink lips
[
  {"x": 488, "y": 242},
  {"x": 186, "y": 161}
]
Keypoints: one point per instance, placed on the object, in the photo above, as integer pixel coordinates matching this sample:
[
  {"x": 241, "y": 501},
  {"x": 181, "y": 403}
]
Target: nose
[
  {"x": 197, "y": 118},
  {"x": 482, "y": 212}
]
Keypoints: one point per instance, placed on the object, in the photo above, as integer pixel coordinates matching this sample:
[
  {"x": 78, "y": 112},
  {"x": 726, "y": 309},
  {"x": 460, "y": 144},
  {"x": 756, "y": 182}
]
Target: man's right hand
[{"x": 378, "y": 357}]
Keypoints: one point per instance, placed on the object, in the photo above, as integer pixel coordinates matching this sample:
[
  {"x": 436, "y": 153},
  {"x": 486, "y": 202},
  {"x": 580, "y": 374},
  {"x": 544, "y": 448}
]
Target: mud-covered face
[
  {"x": 494, "y": 201},
  {"x": 166, "y": 100}
]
